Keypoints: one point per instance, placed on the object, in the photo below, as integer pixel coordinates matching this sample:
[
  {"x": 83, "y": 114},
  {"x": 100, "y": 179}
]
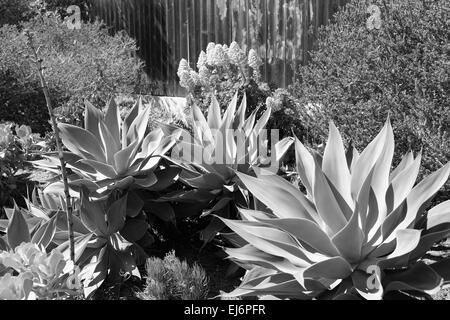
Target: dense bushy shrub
[
  {"x": 359, "y": 76},
  {"x": 81, "y": 64},
  {"x": 171, "y": 279},
  {"x": 14, "y": 11}
]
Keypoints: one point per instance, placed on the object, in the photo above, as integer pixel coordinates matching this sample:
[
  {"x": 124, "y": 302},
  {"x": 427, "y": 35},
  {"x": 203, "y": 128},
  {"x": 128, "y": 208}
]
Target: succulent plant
[
  {"x": 110, "y": 153},
  {"x": 220, "y": 146},
  {"x": 360, "y": 230},
  {"x": 105, "y": 233},
  {"x": 41, "y": 275}
]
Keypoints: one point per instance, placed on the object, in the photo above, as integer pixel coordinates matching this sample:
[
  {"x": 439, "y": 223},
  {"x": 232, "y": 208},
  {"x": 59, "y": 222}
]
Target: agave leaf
[
  {"x": 419, "y": 277},
  {"x": 149, "y": 180},
  {"x": 163, "y": 211},
  {"x": 80, "y": 243},
  {"x": 222, "y": 203},
  {"x": 109, "y": 143},
  {"x": 332, "y": 268},
  {"x": 249, "y": 124},
  {"x": 382, "y": 167},
  {"x": 406, "y": 241},
  {"x": 127, "y": 123},
  {"x": 326, "y": 204},
  {"x": 281, "y": 147},
  {"x": 93, "y": 215},
  {"x": 428, "y": 239},
  {"x": 239, "y": 118},
  {"x": 44, "y": 235},
  {"x": 440, "y": 214},
  {"x": 406, "y": 161},
  {"x": 151, "y": 143},
  {"x": 214, "y": 116},
  {"x": 112, "y": 121},
  {"x": 81, "y": 142},
  {"x": 229, "y": 114},
  {"x": 104, "y": 169},
  {"x": 92, "y": 118},
  {"x": 282, "y": 203},
  {"x": 335, "y": 165},
  {"x": 123, "y": 158},
  {"x": 17, "y": 230},
  {"x": 261, "y": 123},
  {"x": 393, "y": 220},
  {"x": 166, "y": 144},
  {"x": 165, "y": 178},
  {"x": 422, "y": 193},
  {"x": 442, "y": 268},
  {"x": 116, "y": 214},
  {"x": 272, "y": 241},
  {"x": 350, "y": 239},
  {"x": 367, "y": 160},
  {"x": 281, "y": 285},
  {"x": 305, "y": 166},
  {"x": 134, "y": 229},
  {"x": 138, "y": 127},
  {"x": 307, "y": 231},
  {"x": 202, "y": 131},
  {"x": 404, "y": 181},
  {"x": 307, "y": 208},
  {"x": 209, "y": 181},
  {"x": 94, "y": 273}
]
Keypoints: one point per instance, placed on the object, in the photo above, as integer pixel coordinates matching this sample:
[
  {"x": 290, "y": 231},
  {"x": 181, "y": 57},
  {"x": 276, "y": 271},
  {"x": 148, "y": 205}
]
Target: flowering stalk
[{"x": 69, "y": 210}]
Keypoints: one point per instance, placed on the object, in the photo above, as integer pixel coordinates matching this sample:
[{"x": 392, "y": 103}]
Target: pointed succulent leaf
[
  {"x": 17, "y": 230},
  {"x": 81, "y": 142},
  {"x": 92, "y": 118}
]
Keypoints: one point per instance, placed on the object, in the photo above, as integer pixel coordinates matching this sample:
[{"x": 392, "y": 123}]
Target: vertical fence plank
[{"x": 282, "y": 31}]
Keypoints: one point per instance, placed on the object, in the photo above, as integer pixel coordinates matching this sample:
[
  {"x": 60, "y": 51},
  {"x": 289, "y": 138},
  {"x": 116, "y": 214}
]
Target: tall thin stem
[{"x": 44, "y": 87}]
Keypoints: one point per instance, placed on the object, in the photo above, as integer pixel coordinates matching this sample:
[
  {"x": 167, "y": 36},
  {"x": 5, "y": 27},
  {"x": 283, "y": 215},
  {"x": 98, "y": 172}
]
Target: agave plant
[
  {"x": 109, "y": 153},
  {"x": 220, "y": 146},
  {"x": 360, "y": 231}
]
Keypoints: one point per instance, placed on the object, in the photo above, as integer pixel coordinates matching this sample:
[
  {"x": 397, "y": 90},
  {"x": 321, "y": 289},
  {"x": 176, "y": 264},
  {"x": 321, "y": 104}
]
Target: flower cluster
[
  {"x": 40, "y": 274},
  {"x": 218, "y": 62},
  {"x": 6, "y": 135}
]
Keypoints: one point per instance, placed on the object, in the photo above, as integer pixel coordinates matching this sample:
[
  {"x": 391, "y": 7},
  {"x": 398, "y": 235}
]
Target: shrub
[
  {"x": 171, "y": 279},
  {"x": 358, "y": 76},
  {"x": 79, "y": 64},
  {"x": 14, "y": 11}
]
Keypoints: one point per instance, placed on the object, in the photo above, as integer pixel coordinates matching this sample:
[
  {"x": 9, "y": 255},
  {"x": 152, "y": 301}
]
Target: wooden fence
[{"x": 282, "y": 31}]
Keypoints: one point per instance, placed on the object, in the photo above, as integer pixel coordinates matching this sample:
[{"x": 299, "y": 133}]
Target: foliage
[
  {"x": 81, "y": 64},
  {"x": 171, "y": 279},
  {"x": 109, "y": 153},
  {"x": 41, "y": 275},
  {"x": 359, "y": 76},
  {"x": 14, "y": 11},
  {"x": 220, "y": 146},
  {"x": 105, "y": 233},
  {"x": 359, "y": 232},
  {"x": 17, "y": 146}
]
